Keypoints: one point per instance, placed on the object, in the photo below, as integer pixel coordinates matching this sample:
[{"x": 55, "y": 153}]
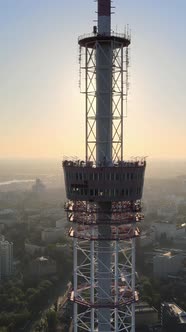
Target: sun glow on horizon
[{"x": 42, "y": 111}]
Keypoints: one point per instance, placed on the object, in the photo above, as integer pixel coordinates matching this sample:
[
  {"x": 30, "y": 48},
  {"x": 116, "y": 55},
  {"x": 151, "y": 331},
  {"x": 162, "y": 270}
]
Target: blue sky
[{"x": 41, "y": 109}]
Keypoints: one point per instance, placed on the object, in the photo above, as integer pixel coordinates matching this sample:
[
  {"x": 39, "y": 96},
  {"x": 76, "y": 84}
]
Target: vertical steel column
[
  {"x": 104, "y": 277},
  {"x": 133, "y": 281},
  {"x": 122, "y": 102},
  {"x": 75, "y": 284},
  {"x": 104, "y": 156},
  {"x": 92, "y": 279},
  {"x": 103, "y": 102},
  {"x": 116, "y": 276}
]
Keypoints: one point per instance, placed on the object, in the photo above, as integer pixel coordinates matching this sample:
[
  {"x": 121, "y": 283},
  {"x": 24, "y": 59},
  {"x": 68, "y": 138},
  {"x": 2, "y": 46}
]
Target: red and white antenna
[{"x": 104, "y": 16}]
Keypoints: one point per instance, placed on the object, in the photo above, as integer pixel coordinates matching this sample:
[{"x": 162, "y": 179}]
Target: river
[{"x": 7, "y": 183}]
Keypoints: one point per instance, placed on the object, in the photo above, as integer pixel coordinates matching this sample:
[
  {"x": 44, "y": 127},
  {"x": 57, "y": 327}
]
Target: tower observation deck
[{"x": 104, "y": 191}]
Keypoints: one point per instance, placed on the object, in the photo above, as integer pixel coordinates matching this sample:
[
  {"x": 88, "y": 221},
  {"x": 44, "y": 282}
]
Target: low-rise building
[
  {"x": 164, "y": 228},
  {"x": 42, "y": 266},
  {"x": 32, "y": 249},
  {"x": 180, "y": 241},
  {"x": 146, "y": 239},
  {"x": 51, "y": 235},
  {"x": 145, "y": 314},
  {"x": 169, "y": 231},
  {"x": 8, "y": 217},
  {"x": 173, "y": 318},
  {"x": 166, "y": 263}
]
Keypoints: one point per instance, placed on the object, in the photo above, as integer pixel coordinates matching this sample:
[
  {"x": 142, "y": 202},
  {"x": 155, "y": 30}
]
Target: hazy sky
[{"x": 41, "y": 109}]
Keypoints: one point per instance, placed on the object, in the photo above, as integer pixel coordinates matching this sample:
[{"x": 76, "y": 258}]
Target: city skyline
[{"x": 42, "y": 112}]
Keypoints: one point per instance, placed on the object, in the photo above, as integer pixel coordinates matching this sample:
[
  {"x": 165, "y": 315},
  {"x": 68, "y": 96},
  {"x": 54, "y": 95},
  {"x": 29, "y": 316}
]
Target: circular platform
[
  {"x": 126, "y": 297},
  {"x": 90, "y": 40}
]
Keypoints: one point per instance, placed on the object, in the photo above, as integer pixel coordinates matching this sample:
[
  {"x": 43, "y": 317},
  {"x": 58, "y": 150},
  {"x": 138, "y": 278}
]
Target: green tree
[
  {"x": 51, "y": 316},
  {"x": 147, "y": 288}
]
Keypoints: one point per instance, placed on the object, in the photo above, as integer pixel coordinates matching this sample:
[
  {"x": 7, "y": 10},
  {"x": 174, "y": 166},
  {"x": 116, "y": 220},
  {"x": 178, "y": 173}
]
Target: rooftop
[{"x": 177, "y": 311}]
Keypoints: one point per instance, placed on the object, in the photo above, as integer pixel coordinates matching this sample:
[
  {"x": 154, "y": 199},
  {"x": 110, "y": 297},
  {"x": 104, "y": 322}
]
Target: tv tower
[{"x": 104, "y": 191}]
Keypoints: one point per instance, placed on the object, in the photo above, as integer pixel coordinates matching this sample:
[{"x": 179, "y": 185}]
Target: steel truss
[
  {"x": 120, "y": 62},
  {"x": 84, "y": 293},
  {"x": 122, "y": 295}
]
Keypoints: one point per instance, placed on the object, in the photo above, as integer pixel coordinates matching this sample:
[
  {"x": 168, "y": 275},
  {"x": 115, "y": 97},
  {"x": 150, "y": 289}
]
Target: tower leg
[
  {"x": 104, "y": 271},
  {"x": 133, "y": 281}
]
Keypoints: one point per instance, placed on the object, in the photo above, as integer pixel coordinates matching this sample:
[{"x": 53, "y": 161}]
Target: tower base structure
[{"x": 104, "y": 210}]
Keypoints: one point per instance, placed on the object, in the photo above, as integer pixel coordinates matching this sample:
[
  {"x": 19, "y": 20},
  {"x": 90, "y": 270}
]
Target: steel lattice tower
[{"x": 104, "y": 191}]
